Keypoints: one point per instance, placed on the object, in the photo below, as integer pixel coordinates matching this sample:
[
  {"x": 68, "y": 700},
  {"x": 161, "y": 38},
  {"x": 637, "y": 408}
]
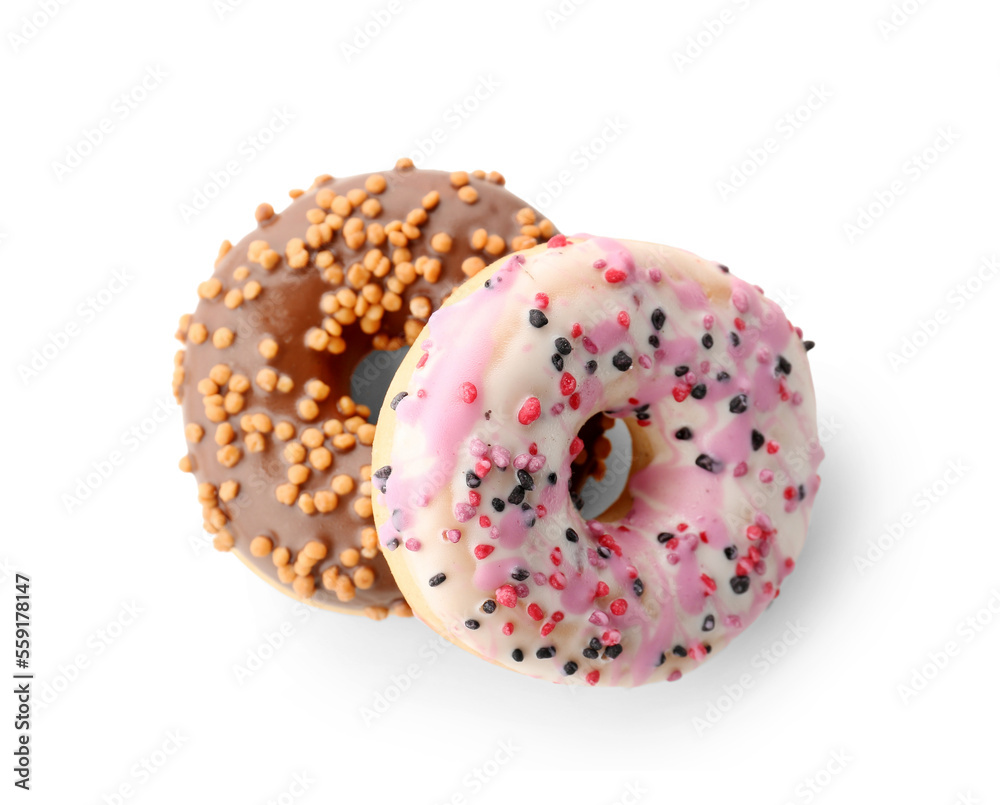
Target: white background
[{"x": 817, "y": 714}]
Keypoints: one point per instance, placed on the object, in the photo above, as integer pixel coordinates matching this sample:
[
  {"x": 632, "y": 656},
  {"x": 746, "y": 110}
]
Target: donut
[
  {"x": 481, "y": 427},
  {"x": 280, "y": 450}
]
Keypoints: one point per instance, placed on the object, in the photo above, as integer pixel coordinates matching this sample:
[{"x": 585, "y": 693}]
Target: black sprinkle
[
  {"x": 659, "y": 318},
  {"x": 722, "y": 377},
  {"x": 707, "y": 647},
  {"x": 498, "y": 505},
  {"x": 783, "y": 365},
  {"x": 680, "y": 651},
  {"x": 572, "y": 536},
  {"x": 637, "y": 587},
  {"x": 664, "y": 537},
  {"x": 802, "y": 492},
  {"x": 519, "y": 574},
  {"x": 621, "y": 361},
  {"x": 684, "y": 434},
  {"x": 488, "y": 283},
  {"x": 570, "y": 668},
  {"x": 654, "y": 341},
  {"x": 663, "y": 659},
  {"x": 472, "y": 624},
  {"x": 595, "y": 643},
  {"x": 740, "y": 584},
  {"x": 589, "y": 653},
  {"x": 577, "y": 500},
  {"x": 557, "y": 361},
  {"x": 537, "y": 318},
  {"x": 731, "y": 552},
  {"x": 517, "y": 654},
  {"x": 516, "y": 495},
  {"x": 396, "y": 399},
  {"x": 680, "y": 371},
  {"x": 489, "y": 606},
  {"x": 472, "y": 480},
  {"x": 603, "y": 552},
  {"x": 756, "y": 439},
  {"x": 392, "y": 544},
  {"x": 706, "y": 462},
  {"x": 707, "y": 341},
  {"x": 738, "y": 404},
  {"x": 699, "y": 391},
  {"x": 590, "y": 367},
  {"x": 553, "y": 478},
  {"x": 563, "y": 346},
  {"x": 808, "y": 345},
  {"x": 725, "y": 269},
  {"x": 642, "y": 417},
  {"x": 436, "y": 580},
  {"x": 545, "y": 653},
  {"x": 612, "y": 652},
  {"x": 524, "y": 479},
  {"x": 383, "y": 472},
  {"x": 708, "y": 624},
  {"x": 735, "y": 339}
]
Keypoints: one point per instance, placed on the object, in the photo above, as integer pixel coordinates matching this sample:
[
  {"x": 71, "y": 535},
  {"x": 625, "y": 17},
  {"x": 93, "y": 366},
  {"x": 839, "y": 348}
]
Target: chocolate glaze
[{"x": 286, "y": 308}]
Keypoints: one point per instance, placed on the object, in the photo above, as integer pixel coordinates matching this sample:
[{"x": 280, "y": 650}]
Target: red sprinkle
[
  {"x": 575, "y": 446},
  {"x": 533, "y": 449},
  {"x": 547, "y": 627},
  {"x": 508, "y": 629},
  {"x": 507, "y": 596},
  {"x": 483, "y": 466},
  {"x": 482, "y": 551},
  {"x": 422, "y": 361},
  {"x": 681, "y": 393},
  {"x": 593, "y": 678},
  {"x": 754, "y": 532},
  {"x": 558, "y": 581},
  {"x": 577, "y": 330},
  {"x": 790, "y": 492},
  {"x": 557, "y": 241},
  {"x": 682, "y": 527},
  {"x": 613, "y": 275},
  {"x": 557, "y": 616},
  {"x": 556, "y": 556},
  {"x": 708, "y": 581},
  {"x": 469, "y": 392},
  {"x": 773, "y": 447},
  {"x": 535, "y": 612},
  {"x": 541, "y": 300},
  {"x": 602, "y": 590},
  {"x": 531, "y": 409},
  {"x": 484, "y": 521},
  {"x": 740, "y": 324},
  {"x": 623, "y": 319},
  {"x": 475, "y": 498},
  {"x": 703, "y": 537},
  {"x": 612, "y": 637},
  {"x": 789, "y": 563},
  {"x": 574, "y": 400},
  {"x": 567, "y": 384},
  {"x": 619, "y": 606},
  {"x": 541, "y": 511}
]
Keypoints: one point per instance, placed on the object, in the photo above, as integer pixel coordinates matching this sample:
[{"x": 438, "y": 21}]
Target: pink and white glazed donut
[{"x": 479, "y": 430}]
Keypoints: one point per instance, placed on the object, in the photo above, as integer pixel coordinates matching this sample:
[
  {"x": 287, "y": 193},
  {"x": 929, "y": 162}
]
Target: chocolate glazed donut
[{"x": 280, "y": 450}]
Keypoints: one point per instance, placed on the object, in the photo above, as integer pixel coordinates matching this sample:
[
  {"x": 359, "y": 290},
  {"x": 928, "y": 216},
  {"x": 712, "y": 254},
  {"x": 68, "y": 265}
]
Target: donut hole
[
  {"x": 372, "y": 376},
  {"x": 604, "y": 488}
]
